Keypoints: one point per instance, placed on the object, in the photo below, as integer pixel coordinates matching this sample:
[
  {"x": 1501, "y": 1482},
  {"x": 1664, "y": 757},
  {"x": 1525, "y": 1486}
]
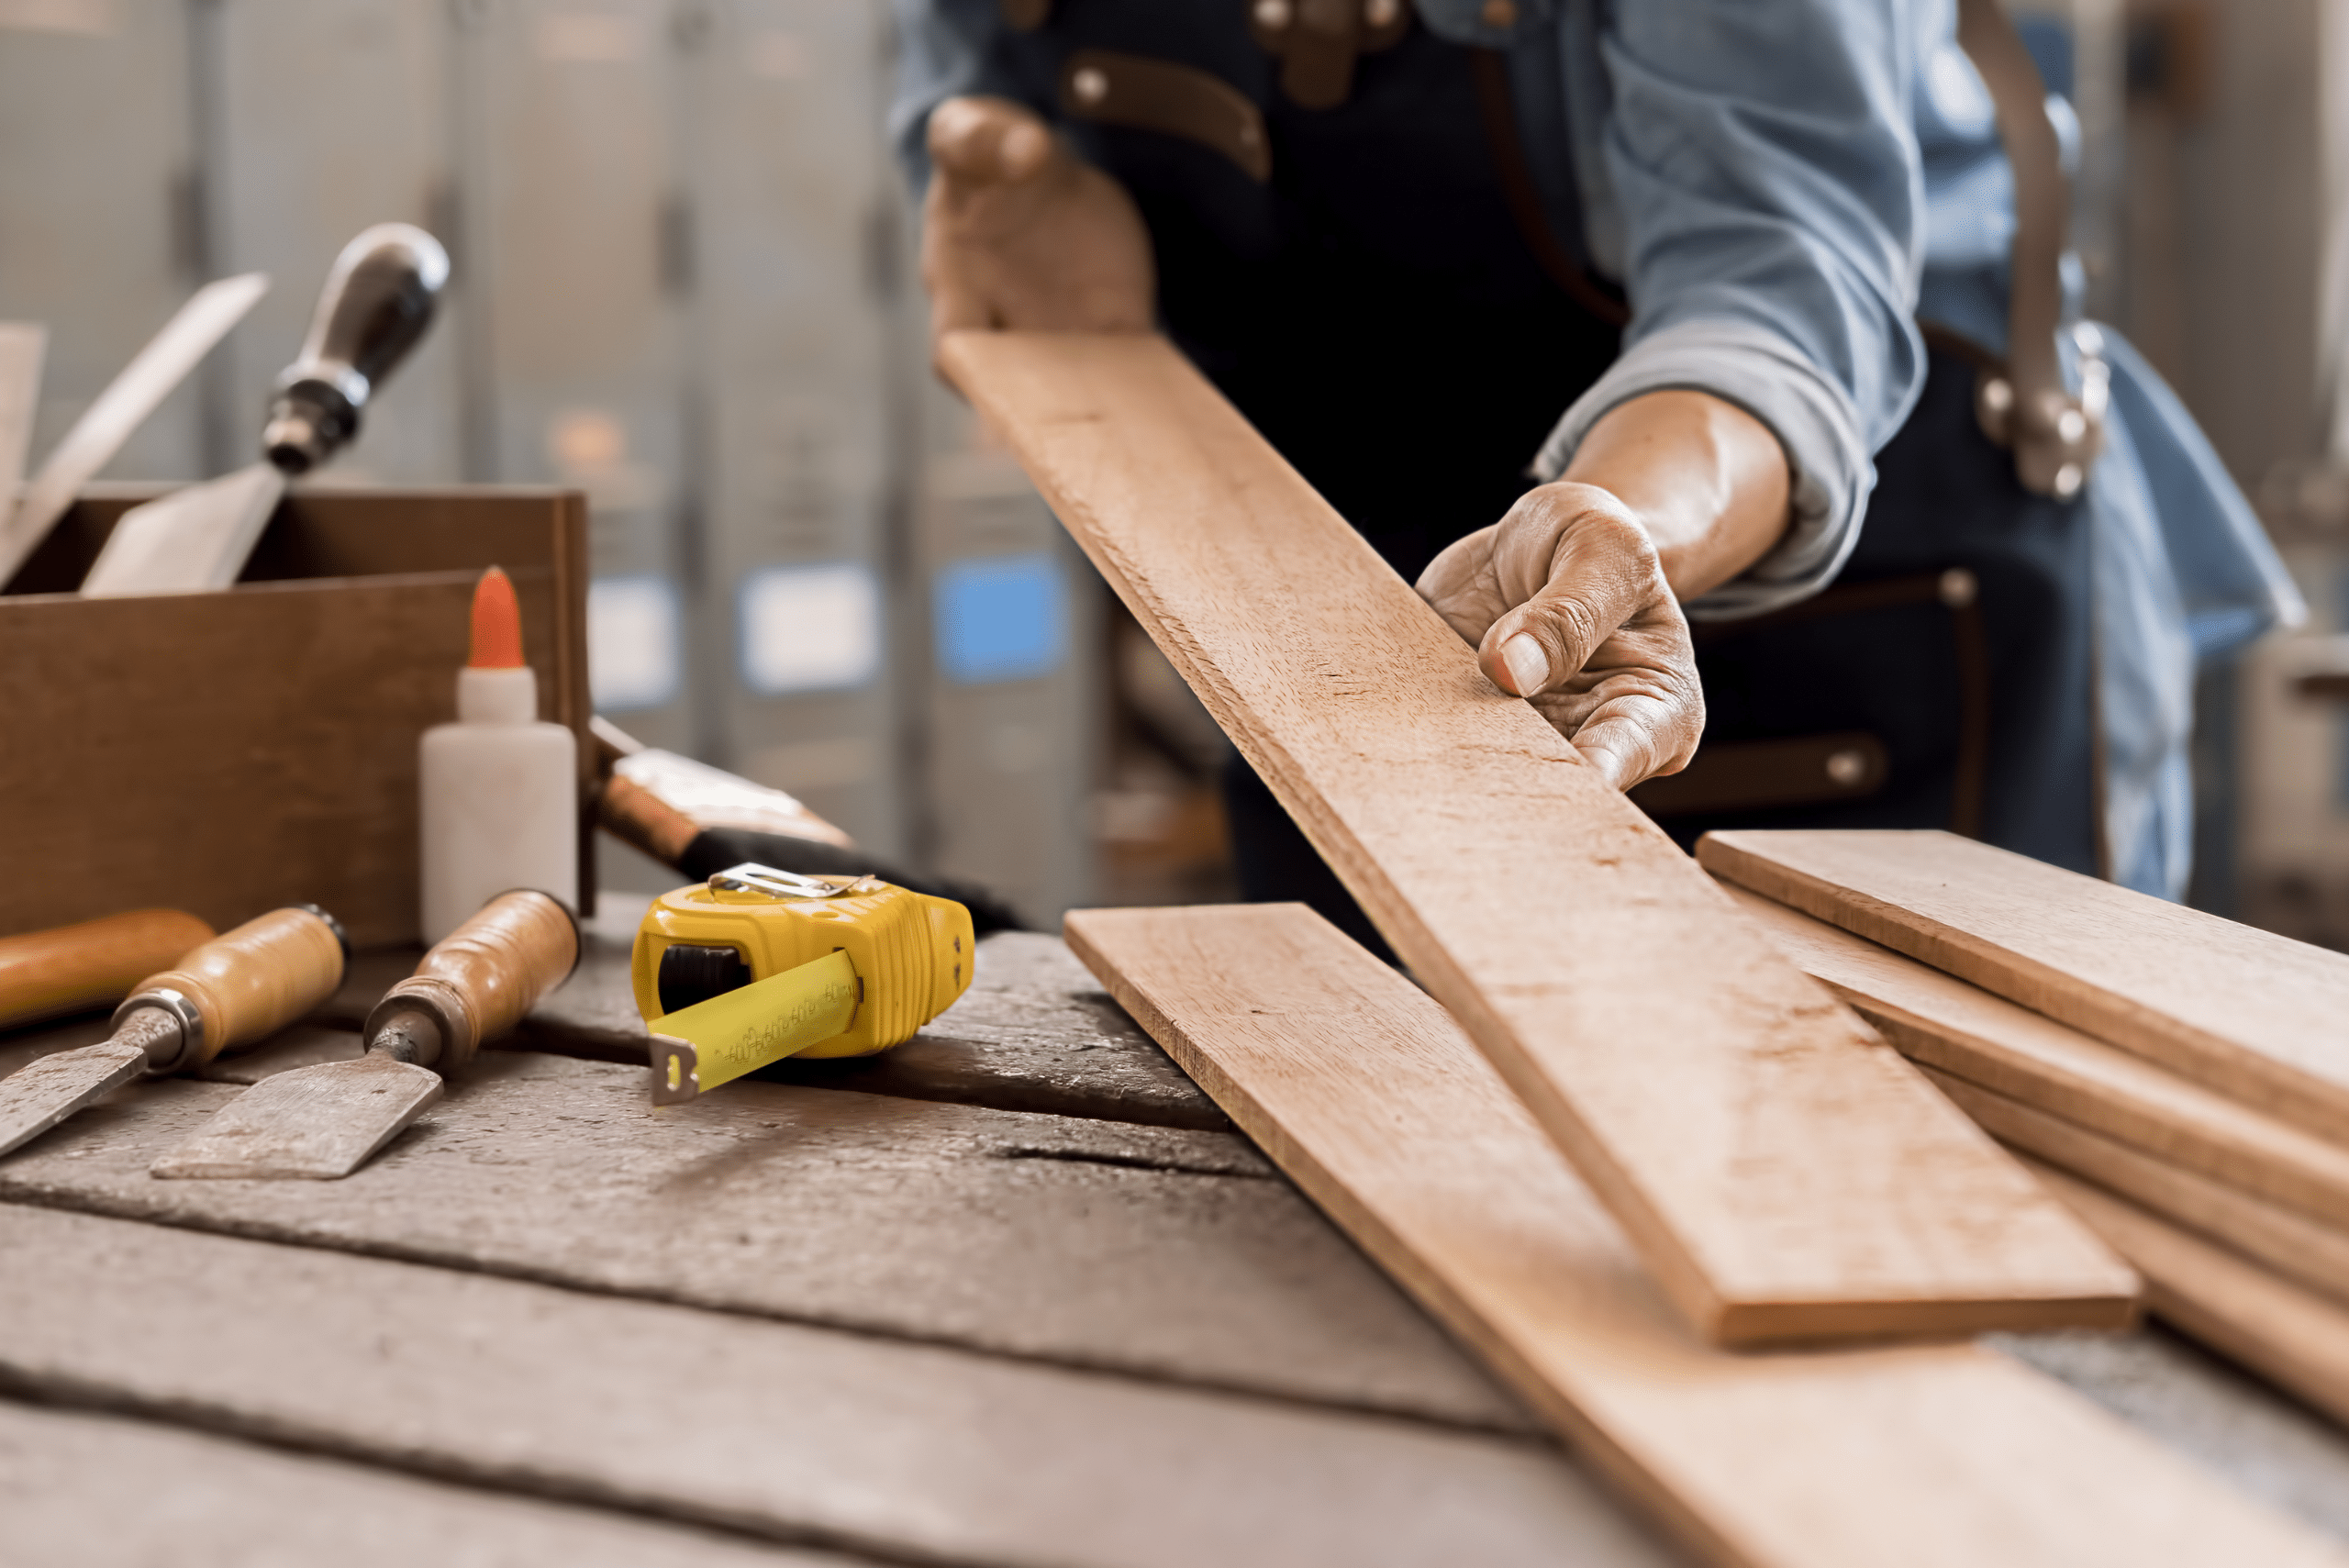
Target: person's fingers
[
  {"x": 1601, "y": 570},
  {"x": 987, "y": 141},
  {"x": 1636, "y": 723},
  {"x": 1460, "y": 585}
]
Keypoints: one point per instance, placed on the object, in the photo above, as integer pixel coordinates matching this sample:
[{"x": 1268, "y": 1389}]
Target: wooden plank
[
  {"x": 2296, "y": 1337},
  {"x": 905, "y": 1451},
  {"x": 83, "y": 1491},
  {"x": 2315, "y": 1254},
  {"x": 1945, "y": 1023},
  {"x": 1033, "y": 1033},
  {"x": 1375, "y": 1101},
  {"x": 1150, "y": 1251},
  {"x": 2252, "y": 1015},
  {"x": 1765, "y": 1153}
]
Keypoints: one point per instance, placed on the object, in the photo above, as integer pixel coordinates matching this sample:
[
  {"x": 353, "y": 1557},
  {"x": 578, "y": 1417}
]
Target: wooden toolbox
[{"x": 228, "y": 752}]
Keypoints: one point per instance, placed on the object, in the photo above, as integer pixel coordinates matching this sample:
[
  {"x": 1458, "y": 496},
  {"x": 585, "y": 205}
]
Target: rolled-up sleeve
[
  {"x": 944, "y": 50},
  {"x": 1763, "y": 158}
]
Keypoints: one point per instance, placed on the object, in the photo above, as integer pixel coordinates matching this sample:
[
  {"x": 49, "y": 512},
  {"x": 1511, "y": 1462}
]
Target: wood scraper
[
  {"x": 377, "y": 302},
  {"x": 151, "y": 376},
  {"x": 232, "y": 990},
  {"x": 322, "y": 1123}
]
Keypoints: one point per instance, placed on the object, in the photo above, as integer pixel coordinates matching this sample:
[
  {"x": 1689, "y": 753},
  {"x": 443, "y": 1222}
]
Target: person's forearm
[{"x": 1708, "y": 479}]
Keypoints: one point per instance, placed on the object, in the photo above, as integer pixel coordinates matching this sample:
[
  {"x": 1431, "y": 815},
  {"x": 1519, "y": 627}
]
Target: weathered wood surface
[
  {"x": 1946, "y": 1023},
  {"x": 2248, "y": 1013},
  {"x": 901, "y": 1451},
  {"x": 2314, "y": 1254},
  {"x": 2296, "y": 1337},
  {"x": 1378, "y": 1104},
  {"x": 1152, "y": 1250},
  {"x": 1784, "y": 1174},
  {"x": 86, "y": 1491}
]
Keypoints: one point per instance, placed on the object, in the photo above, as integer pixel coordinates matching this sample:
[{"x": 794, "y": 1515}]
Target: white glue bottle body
[{"x": 500, "y": 790}]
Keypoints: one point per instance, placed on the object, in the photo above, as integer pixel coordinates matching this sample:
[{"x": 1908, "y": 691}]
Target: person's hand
[
  {"x": 1566, "y": 603},
  {"x": 1019, "y": 233}
]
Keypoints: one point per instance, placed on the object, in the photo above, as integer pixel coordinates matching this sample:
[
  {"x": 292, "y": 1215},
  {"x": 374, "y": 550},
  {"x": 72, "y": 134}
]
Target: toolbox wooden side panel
[{"x": 227, "y": 752}]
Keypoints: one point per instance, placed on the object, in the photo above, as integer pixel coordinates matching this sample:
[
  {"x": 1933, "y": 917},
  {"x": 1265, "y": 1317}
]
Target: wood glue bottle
[{"x": 500, "y": 789}]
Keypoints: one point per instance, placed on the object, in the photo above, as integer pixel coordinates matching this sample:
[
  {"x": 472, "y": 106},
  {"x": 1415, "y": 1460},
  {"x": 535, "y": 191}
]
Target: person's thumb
[{"x": 987, "y": 141}]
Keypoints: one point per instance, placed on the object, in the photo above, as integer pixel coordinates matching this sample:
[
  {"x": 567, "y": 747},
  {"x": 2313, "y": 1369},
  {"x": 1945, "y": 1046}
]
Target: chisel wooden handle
[
  {"x": 478, "y": 981},
  {"x": 637, "y": 817},
  {"x": 250, "y": 982},
  {"x": 73, "y": 968}
]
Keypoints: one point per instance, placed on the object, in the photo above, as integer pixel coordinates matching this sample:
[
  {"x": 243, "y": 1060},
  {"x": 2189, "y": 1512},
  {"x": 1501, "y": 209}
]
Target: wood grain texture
[
  {"x": 1785, "y": 1175},
  {"x": 910, "y": 1452},
  {"x": 1945, "y": 1023},
  {"x": 208, "y": 1502},
  {"x": 2252, "y": 1015},
  {"x": 1145, "y": 1251},
  {"x": 1375, "y": 1101},
  {"x": 225, "y": 753},
  {"x": 2295, "y": 1337},
  {"x": 2314, "y": 1254}
]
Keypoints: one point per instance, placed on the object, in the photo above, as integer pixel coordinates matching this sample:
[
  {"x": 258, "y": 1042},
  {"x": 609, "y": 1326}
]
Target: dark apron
[{"x": 1375, "y": 308}]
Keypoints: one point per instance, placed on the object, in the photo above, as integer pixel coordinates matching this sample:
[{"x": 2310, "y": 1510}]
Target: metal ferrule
[{"x": 182, "y": 1010}]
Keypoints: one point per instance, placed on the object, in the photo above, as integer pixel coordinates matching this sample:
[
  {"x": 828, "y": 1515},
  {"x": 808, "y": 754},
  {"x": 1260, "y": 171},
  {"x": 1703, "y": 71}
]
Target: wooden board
[
  {"x": 2295, "y": 1337},
  {"x": 1375, "y": 1101},
  {"x": 2252, "y": 1015},
  {"x": 2315, "y": 1254},
  {"x": 904, "y": 1452},
  {"x": 1960, "y": 1028},
  {"x": 1147, "y": 1250},
  {"x": 83, "y": 1491},
  {"x": 224, "y": 753},
  {"x": 1785, "y": 1176},
  {"x": 23, "y": 344}
]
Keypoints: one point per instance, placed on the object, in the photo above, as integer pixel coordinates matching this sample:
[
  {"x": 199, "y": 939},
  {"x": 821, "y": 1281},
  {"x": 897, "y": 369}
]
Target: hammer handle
[
  {"x": 256, "y": 980},
  {"x": 75, "y": 969}
]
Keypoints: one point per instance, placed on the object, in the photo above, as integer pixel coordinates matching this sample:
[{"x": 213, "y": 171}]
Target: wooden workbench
[{"x": 1013, "y": 1293}]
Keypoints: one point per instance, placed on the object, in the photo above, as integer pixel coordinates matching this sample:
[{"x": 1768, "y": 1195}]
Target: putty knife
[
  {"x": 121, "y": 408},
  {"x": 377, "y": 302},
  {"x": 322, "y": 1123}
]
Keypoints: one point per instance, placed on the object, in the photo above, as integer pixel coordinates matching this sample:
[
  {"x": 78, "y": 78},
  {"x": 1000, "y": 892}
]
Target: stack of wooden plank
[
  {"x": 2181, "y": 1081},
  {"x": 1700, "y": 1139}
]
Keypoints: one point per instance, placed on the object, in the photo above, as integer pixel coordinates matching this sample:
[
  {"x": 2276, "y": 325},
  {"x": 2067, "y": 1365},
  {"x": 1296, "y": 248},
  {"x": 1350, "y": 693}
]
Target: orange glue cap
[{"x": 497, "y": 623}]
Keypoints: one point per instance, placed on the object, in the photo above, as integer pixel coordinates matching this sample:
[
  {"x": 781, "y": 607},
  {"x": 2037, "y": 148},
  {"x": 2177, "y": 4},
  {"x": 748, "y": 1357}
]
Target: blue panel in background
[{"x": 1004, "y": 617}]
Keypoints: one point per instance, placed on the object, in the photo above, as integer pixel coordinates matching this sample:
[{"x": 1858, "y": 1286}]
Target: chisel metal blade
[
  {"x": 313, "y": 1123},
  {"x": 191, "y": 542},
  {"x": 40, "y": 1095}
]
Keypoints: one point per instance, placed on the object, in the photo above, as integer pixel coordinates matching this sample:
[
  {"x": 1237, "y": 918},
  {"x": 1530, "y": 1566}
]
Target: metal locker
[
  {"x": 569, "y": 321},
  {"x": 101, "y": 240},
  {"x": 327, "y": 119},
  {"x": 792, "y": 393}
]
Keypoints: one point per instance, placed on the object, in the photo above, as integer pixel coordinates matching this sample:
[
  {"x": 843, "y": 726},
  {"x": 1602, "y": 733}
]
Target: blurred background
[{"x": 686, "y": 283}]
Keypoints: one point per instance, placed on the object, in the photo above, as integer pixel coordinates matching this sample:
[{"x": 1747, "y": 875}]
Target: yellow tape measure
[{"x": 758, "y": 964}]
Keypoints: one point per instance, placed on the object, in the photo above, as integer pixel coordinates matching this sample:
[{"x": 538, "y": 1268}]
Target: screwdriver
[
  {"x": 322, "y": 1123},
  {"x": 233, "y": 990}
]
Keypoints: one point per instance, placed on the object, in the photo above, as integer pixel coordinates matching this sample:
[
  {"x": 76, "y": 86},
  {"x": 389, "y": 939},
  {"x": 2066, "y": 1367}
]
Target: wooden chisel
[
  {"x": 377, "y": 302},
  {"x": 322, "y": 1123},
  {"x": 76, "y": 969},
  {"x": 120, "y": 409},
  {"x": 232, "y": 990}
]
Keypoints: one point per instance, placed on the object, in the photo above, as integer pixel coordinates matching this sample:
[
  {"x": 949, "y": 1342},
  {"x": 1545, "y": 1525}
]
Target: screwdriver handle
[
  {"x": 478, "y": 980},
  {"x": 73, "y": 968},
  {"x": 253, "y": 982}
]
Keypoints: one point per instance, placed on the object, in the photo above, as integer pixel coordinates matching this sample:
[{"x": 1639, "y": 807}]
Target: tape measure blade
[{"x": 766, "y": 1020}]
